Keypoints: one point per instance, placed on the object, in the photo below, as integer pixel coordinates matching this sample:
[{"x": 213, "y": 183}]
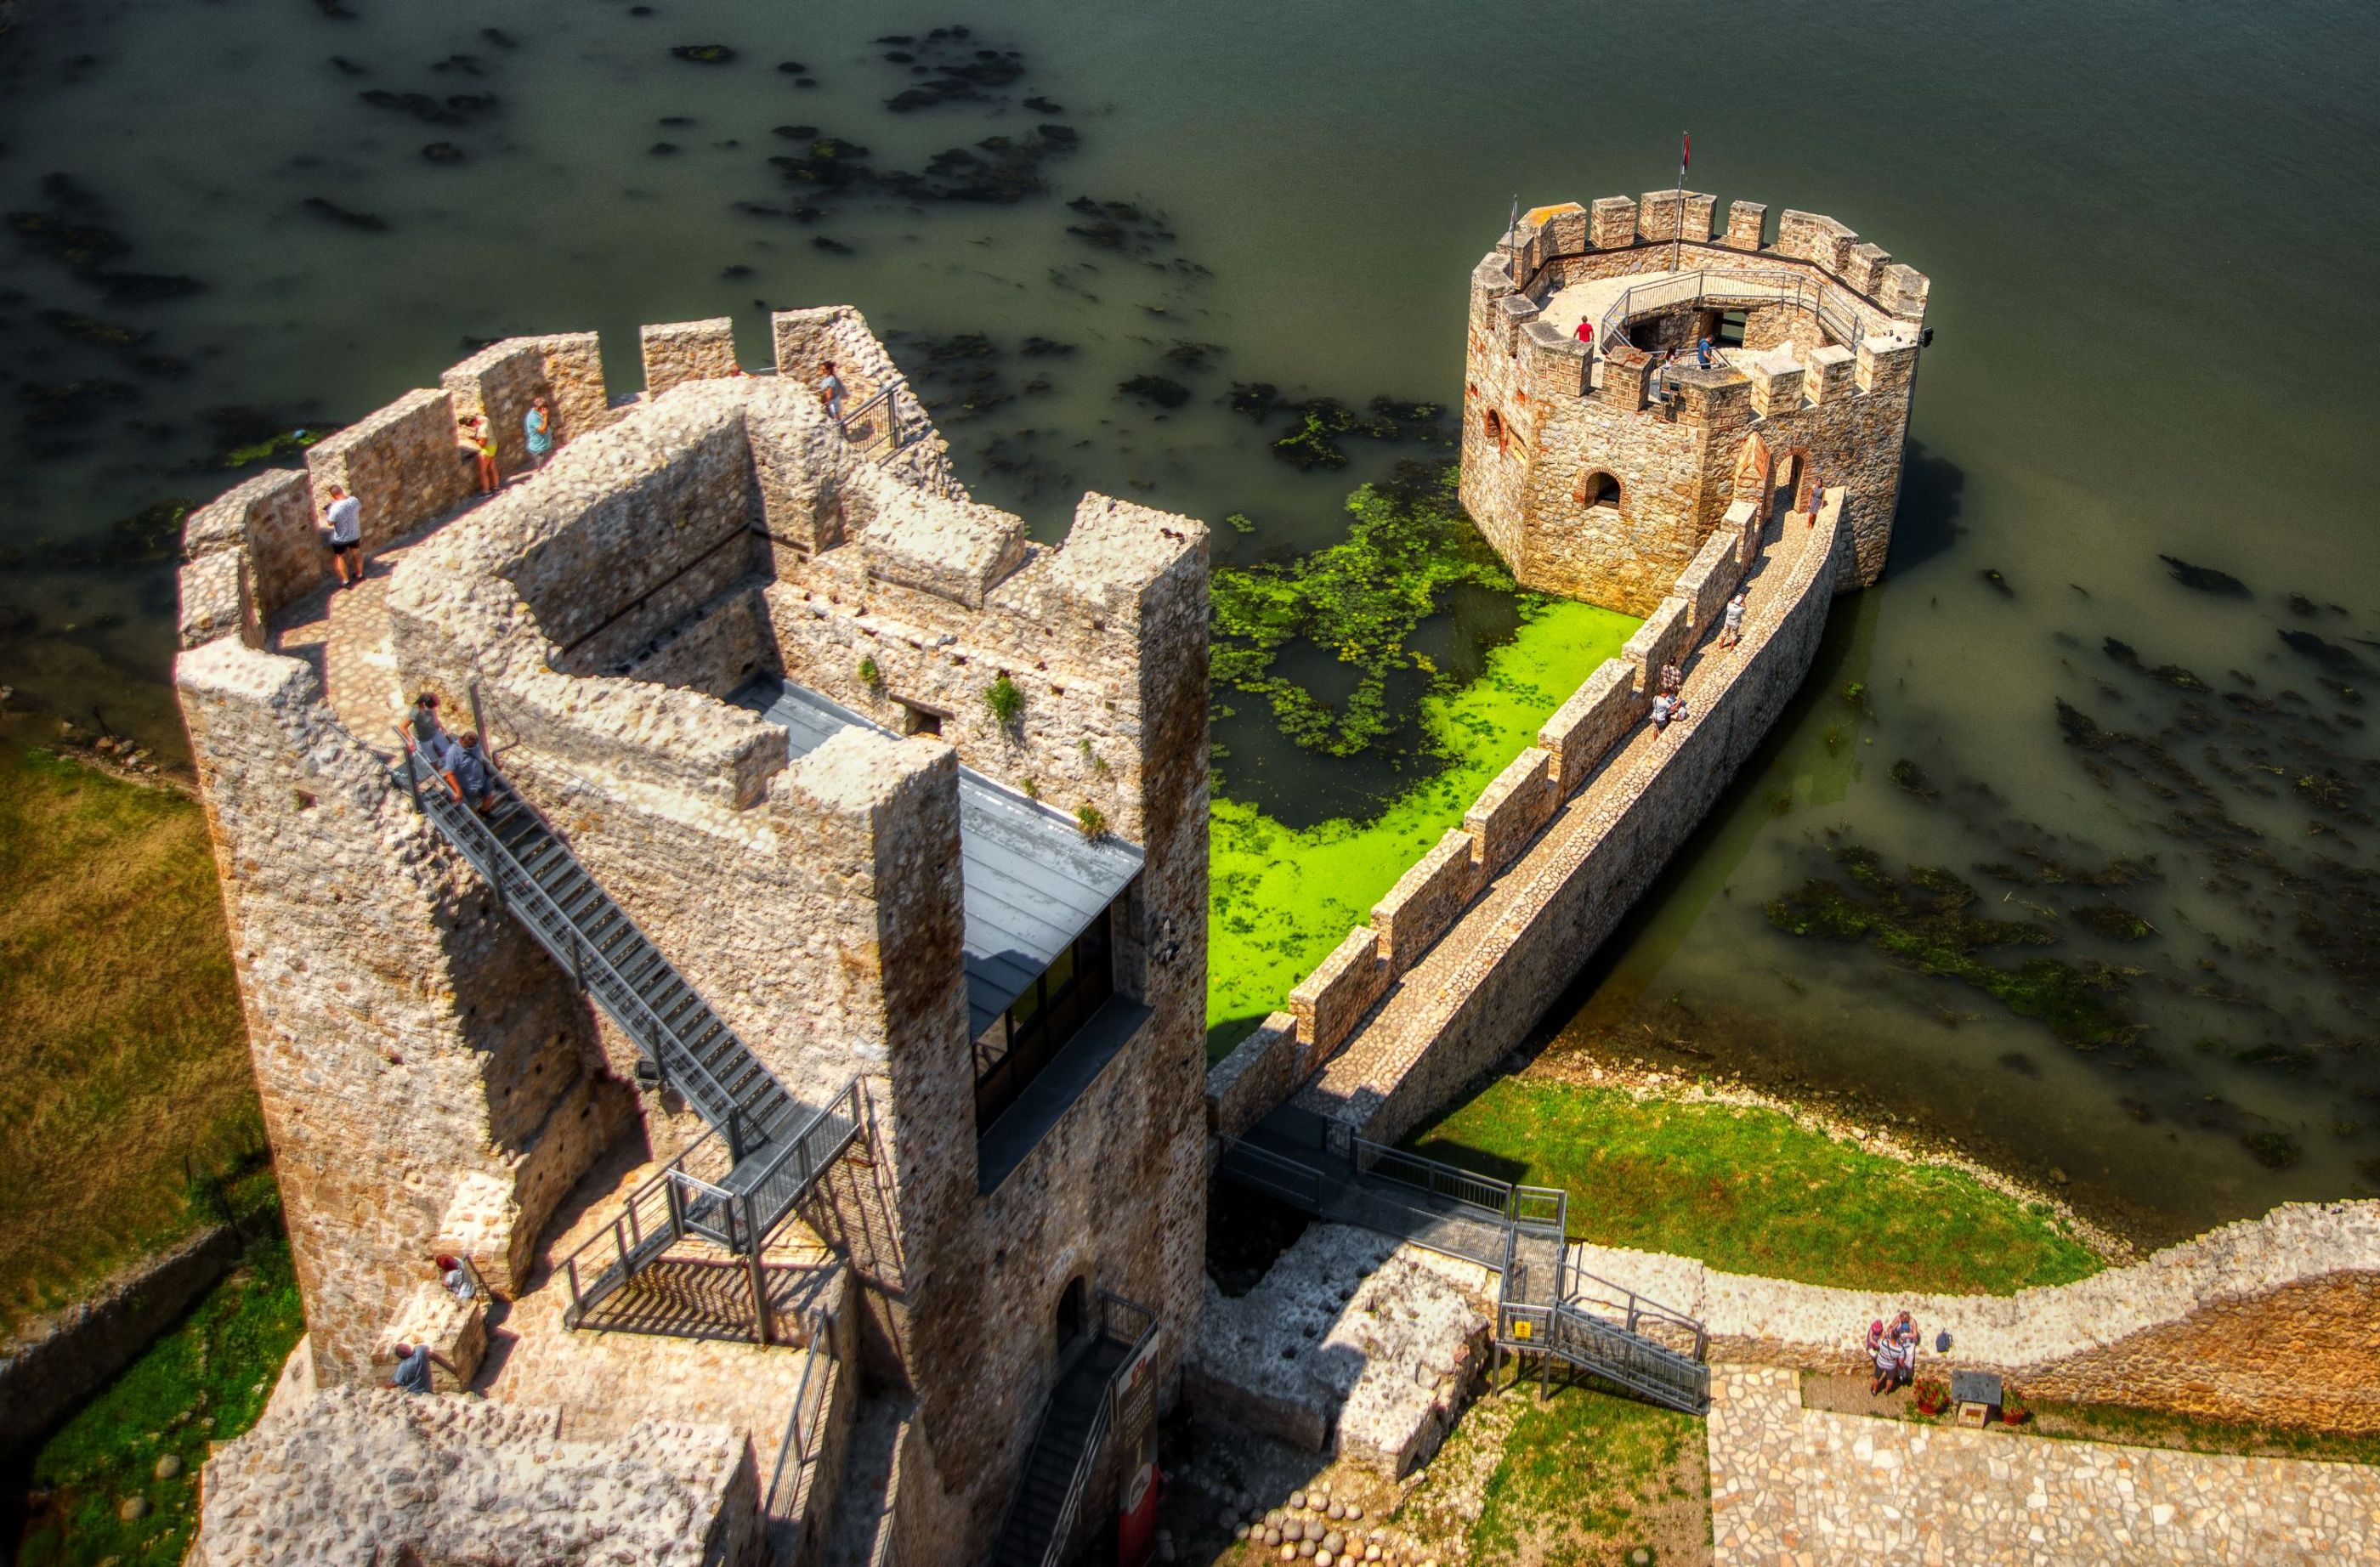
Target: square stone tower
[
  {"x": 878, "y": 819},
  {"x": 1597, "y": 465}
]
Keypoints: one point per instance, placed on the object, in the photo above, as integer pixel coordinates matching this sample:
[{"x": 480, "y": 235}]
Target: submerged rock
[
  {"x": 365, "y": 223},
  {"x": 2205, "y": 578},
  {"x": 703, "y": 53}
]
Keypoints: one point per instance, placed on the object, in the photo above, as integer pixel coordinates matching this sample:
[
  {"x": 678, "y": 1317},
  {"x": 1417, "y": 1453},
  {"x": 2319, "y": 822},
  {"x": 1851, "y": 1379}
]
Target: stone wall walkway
[{"x": 1799, "y": 1487}]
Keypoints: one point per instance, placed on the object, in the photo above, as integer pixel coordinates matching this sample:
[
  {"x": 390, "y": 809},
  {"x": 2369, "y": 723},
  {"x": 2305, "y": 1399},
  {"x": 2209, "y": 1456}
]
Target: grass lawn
[
  {"x": 206, "y": 1380},
  {"x": 1750, "y": 1191},
  {"x": 122, "y": 1052},
  {"x": 1583, "y": 1476},
  {"x": 1279, "y": 900}
]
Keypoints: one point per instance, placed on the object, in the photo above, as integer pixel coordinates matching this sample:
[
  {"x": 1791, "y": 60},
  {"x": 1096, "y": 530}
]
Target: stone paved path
[{"x": 1798, "y": 1488}]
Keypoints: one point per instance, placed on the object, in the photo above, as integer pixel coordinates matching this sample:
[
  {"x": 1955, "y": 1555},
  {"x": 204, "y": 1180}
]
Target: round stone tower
[{"x": 1602, "y": 444}]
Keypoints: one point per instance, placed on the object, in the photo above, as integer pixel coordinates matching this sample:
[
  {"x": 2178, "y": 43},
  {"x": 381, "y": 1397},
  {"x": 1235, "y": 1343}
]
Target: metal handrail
[
  {"x": 1484, "y": 1192},
  {"x": 1668, "y": 290},
  {"x": 493, "y": 859},
  {"x": 1637, "y": 1307},
  {"x": 821, "y": 1327}
]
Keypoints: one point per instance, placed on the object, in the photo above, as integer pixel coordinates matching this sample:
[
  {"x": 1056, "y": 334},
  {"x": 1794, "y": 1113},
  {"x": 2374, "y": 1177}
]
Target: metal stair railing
[
  {"x": 1141, "y": 1324},
  {"x": 1833, "y": 306},
  {"x": 525, "y": 898}
]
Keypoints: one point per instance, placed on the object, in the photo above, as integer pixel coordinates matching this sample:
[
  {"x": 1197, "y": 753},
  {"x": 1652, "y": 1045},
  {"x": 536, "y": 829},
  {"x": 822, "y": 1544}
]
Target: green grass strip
[{"x": 1752, "y": 1191}]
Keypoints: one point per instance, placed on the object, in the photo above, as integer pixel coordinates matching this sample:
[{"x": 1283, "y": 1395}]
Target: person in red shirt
[{"x": 1587, "y": 334}]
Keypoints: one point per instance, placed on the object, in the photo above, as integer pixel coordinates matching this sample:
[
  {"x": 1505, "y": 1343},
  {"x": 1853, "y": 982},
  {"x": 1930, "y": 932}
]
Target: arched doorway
[
  {"x": 1598, "y": 488},
  {"x": 1074, "y": 1313}
]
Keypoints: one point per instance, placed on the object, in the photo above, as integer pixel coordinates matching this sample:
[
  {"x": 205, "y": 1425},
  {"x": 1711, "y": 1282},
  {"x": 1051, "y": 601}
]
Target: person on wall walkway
[
  {"x": 345, "y": 516},
  {"x": 477, "y": 443},
  {"x": 1732, "y": 628},
  {"x": 1586, "y": 334},
  {"x": 829, "y": 390},
  {"x": 538, "y": 426},
  {"x": 413, "y": 1363}
]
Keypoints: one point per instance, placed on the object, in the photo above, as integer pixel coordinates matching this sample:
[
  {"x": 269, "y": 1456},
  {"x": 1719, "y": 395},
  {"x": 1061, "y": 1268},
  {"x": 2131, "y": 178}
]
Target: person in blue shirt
[
  {"x": 413, "y": 1363},
  {"x": 538, "y": 425},
  {"x": 1702, "y": 354},
  {"x": 470, "y": 773}
]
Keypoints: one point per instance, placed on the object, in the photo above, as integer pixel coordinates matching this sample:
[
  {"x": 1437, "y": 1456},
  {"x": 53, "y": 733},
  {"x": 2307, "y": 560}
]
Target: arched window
[
  {"x": 1495, "y": 425},
  {"x": 1598, "y": 488},
  {"x": 1074, "y": 1313}
]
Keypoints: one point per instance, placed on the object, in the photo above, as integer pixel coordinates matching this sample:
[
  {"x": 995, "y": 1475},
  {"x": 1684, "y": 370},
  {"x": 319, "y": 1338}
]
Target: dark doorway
[{"x": 1073, "y": 1315}]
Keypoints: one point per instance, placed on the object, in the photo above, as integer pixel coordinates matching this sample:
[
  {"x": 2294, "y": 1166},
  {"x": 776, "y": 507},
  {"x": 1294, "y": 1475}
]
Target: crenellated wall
[
  {"x": 594, "y": 614},
  {"x": 1825, "y": 378}
]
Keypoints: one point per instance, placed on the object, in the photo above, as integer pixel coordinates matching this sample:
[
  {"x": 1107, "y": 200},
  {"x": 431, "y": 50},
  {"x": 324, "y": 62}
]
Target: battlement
[
  {"x": 901, "y": 794},
  {"x": 1623, "y": 356}
]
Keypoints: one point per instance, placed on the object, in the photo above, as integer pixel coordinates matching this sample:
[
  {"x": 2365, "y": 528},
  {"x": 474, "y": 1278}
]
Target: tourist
[
  {"x": 1702, "y": 354},
  {"x": 468, "y": 774},
  {"x": 1586, "y": 334},
  {"x": 829, "y": 390},
  {"x": 1884, "y": 1358},
  {"x": 1668, "y": 710},
  {"x": 346, "y": 516},
  {"x": 413, "y": 1363},
  {"x": 454, "y": 1277},
  {"x": 1657, "y": 385},
  {"x": 1902, "y": 1338},
  {"x": 1732, "y": 628},
  {"x": 478, "y": 444},
  {"x": 428, "y": 734},
  {"x": 538, "y": 425}
]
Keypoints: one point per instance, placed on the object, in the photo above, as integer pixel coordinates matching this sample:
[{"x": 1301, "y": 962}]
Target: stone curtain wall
[
  {"x": 356, "y": 1476},
  {"x": 2272, "y": 1321},
  {"x": 689, "y": 350},
  {"x": 1648, "y": 794},
  {"x": 405, "y": 1034},
  {"x": 1558, "y": 420}
]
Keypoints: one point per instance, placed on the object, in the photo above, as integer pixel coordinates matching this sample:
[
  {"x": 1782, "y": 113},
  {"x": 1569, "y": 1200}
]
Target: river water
[{"x": 2151, "y": 238}]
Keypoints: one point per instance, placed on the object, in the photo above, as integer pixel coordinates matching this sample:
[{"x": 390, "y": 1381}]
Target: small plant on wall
[
  {"x": 1092, "y": 820},
  {"x": 1099, "y": 763},
  {"x": 869, "y": 675},
  {"x": 1006, "y": 702}
]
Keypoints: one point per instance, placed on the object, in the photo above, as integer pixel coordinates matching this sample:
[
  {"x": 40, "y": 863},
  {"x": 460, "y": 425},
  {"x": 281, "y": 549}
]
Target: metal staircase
[
  {"x": 775, "y": 1147},
  {"x": 1546, "y": 1307},
  {"x": 1083, "y": 1412}
]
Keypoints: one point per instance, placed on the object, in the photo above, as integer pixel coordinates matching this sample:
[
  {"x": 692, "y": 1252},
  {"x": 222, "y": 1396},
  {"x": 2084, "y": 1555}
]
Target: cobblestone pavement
[{"x": 1798, "y": 1488}]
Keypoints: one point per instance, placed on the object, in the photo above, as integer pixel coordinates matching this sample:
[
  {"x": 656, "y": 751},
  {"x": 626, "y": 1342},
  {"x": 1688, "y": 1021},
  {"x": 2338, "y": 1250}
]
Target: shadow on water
[{"x": 1932, "y": 488}]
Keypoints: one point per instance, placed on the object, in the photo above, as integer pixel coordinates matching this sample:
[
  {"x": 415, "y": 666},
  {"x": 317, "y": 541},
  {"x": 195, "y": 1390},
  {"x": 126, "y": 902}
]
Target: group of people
[
  {"x": 459, "y": 760},
  {"x": 412, "y": 1371},
  {"x": 475, "y": 442},
  {"x": 1669, "y": 701},
  {"x": 1893, "y": 1351}
]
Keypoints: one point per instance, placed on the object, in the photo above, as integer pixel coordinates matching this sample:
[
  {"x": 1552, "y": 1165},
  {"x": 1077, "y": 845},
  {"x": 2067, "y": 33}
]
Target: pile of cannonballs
[{"x": 1318, "y": 1528}]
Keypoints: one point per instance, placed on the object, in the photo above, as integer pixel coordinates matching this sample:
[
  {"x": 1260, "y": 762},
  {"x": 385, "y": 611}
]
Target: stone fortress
[
  {"x": 805, "y": 1056},
  {"x": 1598, "y": 469},
  {"x": 845, "y": 1141}
]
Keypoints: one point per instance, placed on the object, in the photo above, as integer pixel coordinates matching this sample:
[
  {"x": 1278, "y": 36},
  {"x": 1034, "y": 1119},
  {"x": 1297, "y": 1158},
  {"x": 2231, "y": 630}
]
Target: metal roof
[{"x": 1033, "y": 882}]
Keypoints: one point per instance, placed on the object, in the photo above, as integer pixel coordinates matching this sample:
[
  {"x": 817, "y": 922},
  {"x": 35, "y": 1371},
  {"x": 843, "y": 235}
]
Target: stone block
[
  {"x": 1714, "y": 399},
  {"x": 1565, "y": 227},
  {"x": 453, "y": 1328},
  {"x": 1710, "y": 577},
  {"x": 271, "y": 519},
  {"x": 1661, "y": 216},
  {"x": 1904, "y": 292},
  {"x": 1341, "y": 990},
  {"x": 218, "y": 599},
  {"x": 953, "y": 549},
  {"x": 1747, "y": 222},
  {"x": 1510, "y": 809},
  {"x": 1558, "y": 363},
  {"x": 1886, "y": 364},
  {"x": 481, "y": 1226},
  {"x": 1261, "y": 1071},
  {"x": 1863, "y": 269},
  {"x": 404, "y": 463},
  {"x": 1664, "y": 638},
  {"x": 574, "y": 371},
  {"x": 1611, "y": 223},
  {"x": 675, "y": 352},
  {"x": 1776, "y": 383},
  {"x": 1827, "y": 374},
  {"x": 1426, "y": 900},
  {"x": 1813, "y": 237},
  {"x": 1745, "y": 518},
  {"x": 1513, "y": 311},
  {"x": 1583, "y": 729}
]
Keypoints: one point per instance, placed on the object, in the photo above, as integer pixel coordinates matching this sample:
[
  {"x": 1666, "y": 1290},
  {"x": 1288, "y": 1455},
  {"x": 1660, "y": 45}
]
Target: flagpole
[
  {"x": 1678, "y": 235},
  {"x": 1511, "y": 226}
]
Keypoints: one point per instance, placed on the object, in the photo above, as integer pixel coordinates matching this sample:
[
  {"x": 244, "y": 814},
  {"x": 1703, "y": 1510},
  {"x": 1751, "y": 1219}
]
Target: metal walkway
[
  {"x": 774, "y": 1147},
  {"x": 1544, "y": 1306}
]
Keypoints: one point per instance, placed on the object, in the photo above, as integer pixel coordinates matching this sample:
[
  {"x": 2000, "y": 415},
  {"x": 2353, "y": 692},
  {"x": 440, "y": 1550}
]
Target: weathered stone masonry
[{"x": 433, "y": 1081}]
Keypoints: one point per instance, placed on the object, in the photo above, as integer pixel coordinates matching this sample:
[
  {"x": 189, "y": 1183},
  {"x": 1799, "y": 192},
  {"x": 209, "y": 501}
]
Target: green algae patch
[
  {"x": 1279, "y": 899},
  {"x": 1751, "y": 1190}
]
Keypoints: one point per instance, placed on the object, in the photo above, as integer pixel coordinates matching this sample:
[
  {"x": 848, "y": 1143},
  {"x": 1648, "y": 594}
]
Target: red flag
[{"x": 1685, "y": 153}]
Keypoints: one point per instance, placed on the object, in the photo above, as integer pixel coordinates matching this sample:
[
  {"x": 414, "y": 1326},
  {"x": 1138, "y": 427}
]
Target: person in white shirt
[{"x": 345, "y": 516}]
